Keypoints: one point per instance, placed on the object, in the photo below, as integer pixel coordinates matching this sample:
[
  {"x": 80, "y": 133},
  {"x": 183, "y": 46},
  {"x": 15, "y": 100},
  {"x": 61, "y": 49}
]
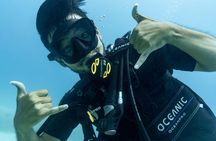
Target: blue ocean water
[{"x": 23, "y": 56}]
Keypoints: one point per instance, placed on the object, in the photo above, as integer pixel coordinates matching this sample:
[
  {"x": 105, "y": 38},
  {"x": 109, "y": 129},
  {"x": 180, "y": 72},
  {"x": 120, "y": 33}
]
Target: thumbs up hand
[
  {"x": 148, "y": 36},
  {"x": 33, "y": 107}
]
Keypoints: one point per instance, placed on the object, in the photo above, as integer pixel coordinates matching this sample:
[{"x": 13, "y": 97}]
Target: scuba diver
[{"x": 126, "y": 91}]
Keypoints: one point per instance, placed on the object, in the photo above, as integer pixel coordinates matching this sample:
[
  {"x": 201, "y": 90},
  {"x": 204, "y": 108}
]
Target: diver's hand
[
  {"x": 32, "y": 107},
  {"x": 148, "y": 36}
]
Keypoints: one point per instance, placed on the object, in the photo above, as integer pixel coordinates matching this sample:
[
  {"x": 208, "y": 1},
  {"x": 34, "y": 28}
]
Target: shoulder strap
[{"x": 119, "y": 45}]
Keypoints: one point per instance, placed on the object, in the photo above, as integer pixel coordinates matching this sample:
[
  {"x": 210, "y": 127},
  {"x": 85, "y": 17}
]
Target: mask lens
[
  {"x": 65, "y": 49},
  {"x": 75, "y": 48}
]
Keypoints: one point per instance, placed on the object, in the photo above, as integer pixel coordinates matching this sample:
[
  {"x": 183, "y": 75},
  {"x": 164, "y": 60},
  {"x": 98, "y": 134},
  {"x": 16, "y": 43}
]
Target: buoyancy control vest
[{"x": 166, "y": 126}]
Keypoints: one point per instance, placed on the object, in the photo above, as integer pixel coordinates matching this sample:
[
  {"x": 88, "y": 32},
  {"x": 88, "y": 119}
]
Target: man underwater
[{"x": 154, "y": 106}]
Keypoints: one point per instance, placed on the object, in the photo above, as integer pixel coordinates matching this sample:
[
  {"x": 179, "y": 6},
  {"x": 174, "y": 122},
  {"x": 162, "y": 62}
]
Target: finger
[
  {"x": 40, "y": 93},
  {"x": 142, "y": 58},
  {"x": 58, "y": 109},
  {"x": 138, "y": 17},
  {"x": 44, "y": 100},
  {"x": 140, "y": 61},
  {"x": 47, "y": 105},
  {"x": 21, "y": 90}
]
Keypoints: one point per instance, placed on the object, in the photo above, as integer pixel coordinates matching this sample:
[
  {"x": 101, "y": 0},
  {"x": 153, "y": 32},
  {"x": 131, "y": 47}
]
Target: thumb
[
  {"x": 21, "y": 90},
  {"x": 138, "y": 17}
]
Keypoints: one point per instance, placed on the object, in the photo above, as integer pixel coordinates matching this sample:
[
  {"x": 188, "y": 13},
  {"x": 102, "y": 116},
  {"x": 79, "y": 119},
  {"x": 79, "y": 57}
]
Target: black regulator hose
[
  {"x": 144, "y": 133},
  {"x": 120, "y": 85}
]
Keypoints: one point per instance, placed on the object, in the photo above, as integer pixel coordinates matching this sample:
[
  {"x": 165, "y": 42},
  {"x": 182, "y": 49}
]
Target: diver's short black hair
[{"x": 52, "y": 12}]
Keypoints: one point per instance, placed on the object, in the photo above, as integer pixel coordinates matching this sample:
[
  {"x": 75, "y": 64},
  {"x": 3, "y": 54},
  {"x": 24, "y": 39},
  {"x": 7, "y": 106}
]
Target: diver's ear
[
  {"x": 100, "y": 45},
  {"x": 97, "y": 31},
  {"x": 98, "y": 34}
]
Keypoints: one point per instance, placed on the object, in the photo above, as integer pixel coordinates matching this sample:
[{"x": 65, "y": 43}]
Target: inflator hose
[{"x": 144, "y": 133}]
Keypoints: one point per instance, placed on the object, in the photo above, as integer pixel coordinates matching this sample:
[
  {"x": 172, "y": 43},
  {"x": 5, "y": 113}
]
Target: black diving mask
[{"x": 73, "y": 49}]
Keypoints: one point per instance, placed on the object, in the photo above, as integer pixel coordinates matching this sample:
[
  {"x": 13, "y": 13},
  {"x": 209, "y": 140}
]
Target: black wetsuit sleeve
[
  {"x": 174, "y": 58},
  {"x": 158, "y": 62},
  {"x": 62, "y": 124}
]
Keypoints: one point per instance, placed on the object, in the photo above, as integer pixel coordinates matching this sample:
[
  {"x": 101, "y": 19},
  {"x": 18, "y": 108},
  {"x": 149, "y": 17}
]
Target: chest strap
[{"x": 169, "y": 124}]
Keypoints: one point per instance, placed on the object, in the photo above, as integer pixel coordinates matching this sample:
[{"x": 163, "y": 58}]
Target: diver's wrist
[
  {"x": 22, "y": 128},
  {"x": 170, "y": 31},
  {"x": 173, "y": 33}
]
